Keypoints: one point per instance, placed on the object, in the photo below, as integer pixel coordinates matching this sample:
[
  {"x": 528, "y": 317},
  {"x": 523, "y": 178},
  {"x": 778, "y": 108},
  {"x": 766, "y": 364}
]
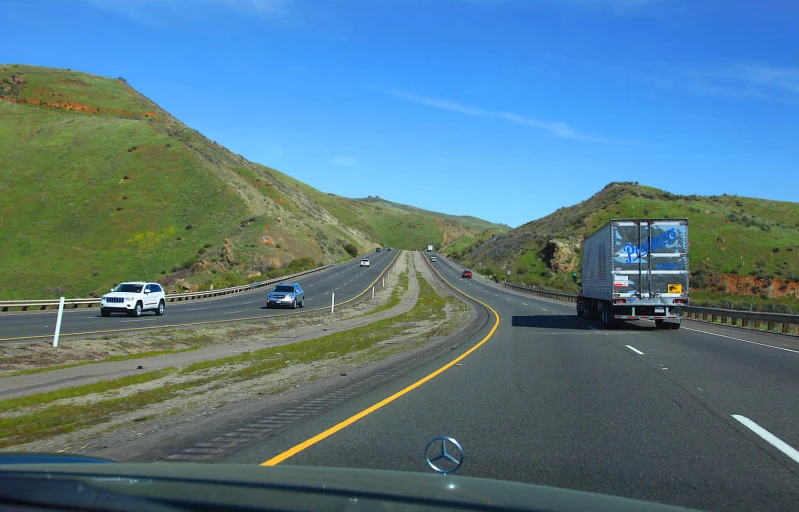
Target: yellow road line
[
  {"x": 149, "y": 328},
  {"x": 277, "y": 459}
]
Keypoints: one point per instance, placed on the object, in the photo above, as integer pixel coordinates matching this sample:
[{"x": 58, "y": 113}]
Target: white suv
[
  {"x": 133, "y": 298},
  {"x": 364, "y": 263}
]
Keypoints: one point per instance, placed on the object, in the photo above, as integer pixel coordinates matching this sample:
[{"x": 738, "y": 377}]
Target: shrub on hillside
[
  {"x": 351, "y": 249},
  {"x": 699, "y": 278},
  {"x": 300, "y": 265}
]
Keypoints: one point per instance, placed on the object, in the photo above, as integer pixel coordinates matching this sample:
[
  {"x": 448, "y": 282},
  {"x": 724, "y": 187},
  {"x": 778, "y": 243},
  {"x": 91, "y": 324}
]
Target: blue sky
[{"x": 502, "y": 109}]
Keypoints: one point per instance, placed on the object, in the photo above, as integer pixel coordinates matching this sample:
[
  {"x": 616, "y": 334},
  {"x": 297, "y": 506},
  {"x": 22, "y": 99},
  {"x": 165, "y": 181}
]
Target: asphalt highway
[
  {"x": 704, "y": 417},
  {"x": 346, "y": 281}
]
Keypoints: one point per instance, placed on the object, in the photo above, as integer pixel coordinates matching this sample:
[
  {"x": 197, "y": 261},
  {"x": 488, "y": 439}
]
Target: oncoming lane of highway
[
  {"x": 345, "y": 281},
  {"x": 551, "y": 399}
]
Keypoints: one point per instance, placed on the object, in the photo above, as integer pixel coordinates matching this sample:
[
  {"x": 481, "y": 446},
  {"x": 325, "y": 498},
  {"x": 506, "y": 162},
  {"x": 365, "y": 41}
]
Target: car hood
[
  {"x": 275, "y": 294},
  {"x": 120, "y": 294},
  {"x": 288, "y": 487}
]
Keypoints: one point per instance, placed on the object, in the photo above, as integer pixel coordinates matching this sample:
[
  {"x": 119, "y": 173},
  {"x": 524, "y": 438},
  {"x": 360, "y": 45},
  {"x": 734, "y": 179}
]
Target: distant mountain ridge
[{"x": 469, "y": 221}]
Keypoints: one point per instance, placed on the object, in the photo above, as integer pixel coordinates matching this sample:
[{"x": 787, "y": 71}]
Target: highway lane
[
  {"x": 551, "y": 399},
  {"x": 345, "y": 281},
  {"x": 726, "y": 368}
]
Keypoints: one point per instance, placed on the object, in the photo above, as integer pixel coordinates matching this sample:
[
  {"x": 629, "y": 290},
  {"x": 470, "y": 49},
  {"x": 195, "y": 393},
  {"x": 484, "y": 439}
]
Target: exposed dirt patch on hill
[
  {"x": 77, "y": 107},
  {"x": 752, "y": 286}
]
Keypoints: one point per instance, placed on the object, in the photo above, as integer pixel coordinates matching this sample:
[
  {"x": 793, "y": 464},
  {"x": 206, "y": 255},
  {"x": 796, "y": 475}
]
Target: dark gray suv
[{"x": 286, "y": 295}]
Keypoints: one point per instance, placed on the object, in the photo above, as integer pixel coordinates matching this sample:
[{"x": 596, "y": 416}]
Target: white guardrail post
[
  {"x": 58, "y": 322},
  {"x": 333, "y": 302}
]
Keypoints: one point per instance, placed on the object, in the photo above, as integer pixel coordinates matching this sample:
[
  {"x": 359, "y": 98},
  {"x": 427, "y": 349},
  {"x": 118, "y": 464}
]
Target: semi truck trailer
[{"x": 635, "y": 269}]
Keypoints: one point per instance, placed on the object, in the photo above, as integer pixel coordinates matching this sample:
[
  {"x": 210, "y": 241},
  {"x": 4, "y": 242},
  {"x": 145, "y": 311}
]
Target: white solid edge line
[
  {"x": 634, "y": 350},
  {"x": 745, "y": 341},
  {"x": 770, "y": 438}
]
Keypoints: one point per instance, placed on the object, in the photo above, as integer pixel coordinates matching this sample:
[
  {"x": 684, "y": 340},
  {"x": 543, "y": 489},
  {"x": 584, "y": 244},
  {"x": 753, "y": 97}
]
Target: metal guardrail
[
  {"x": 753, "y": 319},
  {"x": 543, "y": 293},
  {"x": 43, "y": 304}
]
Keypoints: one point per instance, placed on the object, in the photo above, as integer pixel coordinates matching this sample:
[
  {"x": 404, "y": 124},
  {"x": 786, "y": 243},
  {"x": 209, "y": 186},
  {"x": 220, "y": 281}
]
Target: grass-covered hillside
[
  {"x": 393, "y": 224},
  {"x": 476, "y": 224},
  {"x": 743, "y": 250},
  {"x": 98, "y": 185}
]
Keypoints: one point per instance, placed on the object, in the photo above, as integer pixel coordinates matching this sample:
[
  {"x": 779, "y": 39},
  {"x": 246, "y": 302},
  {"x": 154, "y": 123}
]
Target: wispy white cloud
[
  {"x": 556, "y": 128},
  {"x": 346, "y": 161},
  {"x": 745, "y": 80},
  {"x": 146, "y": 10},
  {"x": 736, "y": 80}
]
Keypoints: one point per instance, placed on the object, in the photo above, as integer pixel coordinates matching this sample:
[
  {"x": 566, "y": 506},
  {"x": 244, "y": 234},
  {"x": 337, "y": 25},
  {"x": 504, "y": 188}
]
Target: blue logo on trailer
[{"x": 662, "y": 240}]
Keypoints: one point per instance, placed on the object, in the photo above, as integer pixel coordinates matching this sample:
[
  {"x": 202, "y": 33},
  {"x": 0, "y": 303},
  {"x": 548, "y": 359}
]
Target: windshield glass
[
  {"x": 128, "y": 288},
  {"x": 622, "y": 176}
]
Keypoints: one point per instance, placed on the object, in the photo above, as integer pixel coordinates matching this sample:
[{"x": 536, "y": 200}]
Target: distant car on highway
[
  {"x": 467, "y": 273},
  {"x": 134, "y": 298},
  {"x": 286, "y": 295},
  {"x": 378, "y": 249},
  {"x": 432, "y": 258},
  {"x": 364, "y": 263}
]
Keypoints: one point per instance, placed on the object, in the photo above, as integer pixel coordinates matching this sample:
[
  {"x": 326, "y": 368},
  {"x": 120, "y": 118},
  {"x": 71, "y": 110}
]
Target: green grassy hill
[
  {"x": 393, "y": 224},
  {"x": 468, "y": 221},
  {"x": 743, "y": 250},
  {"x": 98, "y": 184}
]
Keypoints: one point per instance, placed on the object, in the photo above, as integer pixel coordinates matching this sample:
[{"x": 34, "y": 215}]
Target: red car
[{"x": 467, "y": 273}]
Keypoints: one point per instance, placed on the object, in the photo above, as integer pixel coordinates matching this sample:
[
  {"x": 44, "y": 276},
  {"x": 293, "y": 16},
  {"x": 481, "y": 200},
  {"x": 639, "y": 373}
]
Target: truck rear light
[
  {"x": 679, "y": 301},
  {"x": 620, "y": 301}
]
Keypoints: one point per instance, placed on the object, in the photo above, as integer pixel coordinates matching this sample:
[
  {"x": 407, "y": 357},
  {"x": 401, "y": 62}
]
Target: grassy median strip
[
  {"x": 370, "y": 342},
  {"x": 396, "y": 296},
  {"x": 429, "y": 306},
  {"x": 62, "y": 419},
  {"x": 14, "y": 404}
]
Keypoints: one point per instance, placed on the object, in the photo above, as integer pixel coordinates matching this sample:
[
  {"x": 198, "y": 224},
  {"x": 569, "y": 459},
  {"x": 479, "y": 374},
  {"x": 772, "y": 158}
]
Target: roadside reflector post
[
  {"x": 384, "y": 282},
  {"x": 332, "y": 302},
  {"x": 373, "y": 292},
  {"x": 58, "y": 322}
]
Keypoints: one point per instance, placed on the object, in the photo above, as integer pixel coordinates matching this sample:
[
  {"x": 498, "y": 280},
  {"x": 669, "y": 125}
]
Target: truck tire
[{"x": 607, "y": 319}]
